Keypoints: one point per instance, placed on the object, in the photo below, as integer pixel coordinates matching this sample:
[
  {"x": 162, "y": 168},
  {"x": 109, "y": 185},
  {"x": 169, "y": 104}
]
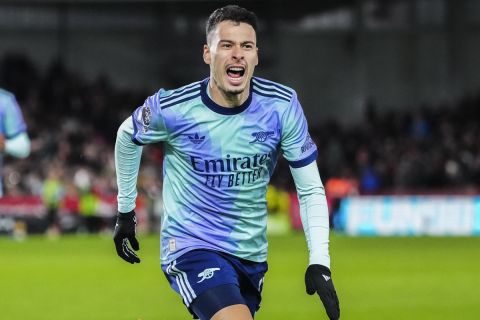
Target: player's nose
[{"x": 237, "y": 52}]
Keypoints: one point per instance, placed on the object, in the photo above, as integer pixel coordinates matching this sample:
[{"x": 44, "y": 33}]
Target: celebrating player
[
  {"x": 222, "y": 137},
  {"x": 14, "y": 139}
]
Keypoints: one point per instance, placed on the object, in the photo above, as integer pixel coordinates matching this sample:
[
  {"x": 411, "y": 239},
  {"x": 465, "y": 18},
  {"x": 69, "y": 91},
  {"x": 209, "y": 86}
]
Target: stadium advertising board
[{"x": 409, "y": 215}]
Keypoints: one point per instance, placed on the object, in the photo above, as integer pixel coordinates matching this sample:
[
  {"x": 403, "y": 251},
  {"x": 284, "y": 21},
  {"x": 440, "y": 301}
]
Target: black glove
[
  {"x": 319, "y": 279},
  {"x": 124, "y": 232}
]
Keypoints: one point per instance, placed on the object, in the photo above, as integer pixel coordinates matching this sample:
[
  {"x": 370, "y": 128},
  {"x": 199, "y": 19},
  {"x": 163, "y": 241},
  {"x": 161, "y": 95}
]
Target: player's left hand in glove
[
  {"x": 125, "y": 232},
  {"x": 319, "y": 279}
]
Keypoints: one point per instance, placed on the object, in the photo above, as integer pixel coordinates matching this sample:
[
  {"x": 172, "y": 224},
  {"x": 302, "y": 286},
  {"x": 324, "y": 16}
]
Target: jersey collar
[{"x": 218, "y": 108}]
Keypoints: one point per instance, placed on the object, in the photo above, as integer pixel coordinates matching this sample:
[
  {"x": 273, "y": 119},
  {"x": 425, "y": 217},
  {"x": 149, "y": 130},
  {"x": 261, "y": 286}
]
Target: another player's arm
[
  {"x": 127, "y": 163},
  {"x": 14, "y": 139},
  {"x": 315, "y": 220},
  {"x": 18, "y": 146}
]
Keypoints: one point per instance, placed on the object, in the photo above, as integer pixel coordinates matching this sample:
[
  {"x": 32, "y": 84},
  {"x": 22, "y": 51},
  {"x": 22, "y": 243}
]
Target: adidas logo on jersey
[
  {"x": 207, "y": 274},
  {"x": 196, "y": 138}
]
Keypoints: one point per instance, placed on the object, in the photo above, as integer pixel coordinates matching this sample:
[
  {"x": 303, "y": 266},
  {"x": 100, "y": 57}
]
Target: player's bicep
[
  {"x": 297, "y": 145},
  {"x": 13, "y": 122},
  {"x": 148, "y": 122}
]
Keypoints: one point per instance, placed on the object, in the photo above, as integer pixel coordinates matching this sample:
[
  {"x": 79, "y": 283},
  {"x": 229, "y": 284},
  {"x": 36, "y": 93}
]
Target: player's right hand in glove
[
  {"x": 125, "y": 232},
  {"x": 319, "y": 279}
]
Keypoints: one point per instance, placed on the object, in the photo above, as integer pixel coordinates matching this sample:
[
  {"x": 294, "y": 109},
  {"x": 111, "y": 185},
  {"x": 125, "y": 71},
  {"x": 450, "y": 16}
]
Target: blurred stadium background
[{"x": 392, "y": 93}]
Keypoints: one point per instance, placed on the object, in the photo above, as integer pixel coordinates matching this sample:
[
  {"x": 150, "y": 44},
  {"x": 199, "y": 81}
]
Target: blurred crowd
[
  {"x": 432, "y": 149},
  {"x": 72, "y": 123}
]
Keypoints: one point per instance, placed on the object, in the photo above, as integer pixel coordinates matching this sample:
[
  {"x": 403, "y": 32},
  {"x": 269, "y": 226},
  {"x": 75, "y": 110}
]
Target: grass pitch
[{"x": 80, "y": 277}]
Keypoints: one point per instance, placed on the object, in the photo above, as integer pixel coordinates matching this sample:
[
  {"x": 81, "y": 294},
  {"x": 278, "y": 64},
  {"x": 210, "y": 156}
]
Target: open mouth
[{"x": 235, "y": 72}]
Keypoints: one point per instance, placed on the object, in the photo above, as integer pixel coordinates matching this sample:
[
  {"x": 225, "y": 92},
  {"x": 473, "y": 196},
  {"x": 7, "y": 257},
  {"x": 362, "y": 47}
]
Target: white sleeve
[
  {"x": 19, "y": 146},
  {"x": 313, "y": 212},
  {"x": 127, "y": 163}
]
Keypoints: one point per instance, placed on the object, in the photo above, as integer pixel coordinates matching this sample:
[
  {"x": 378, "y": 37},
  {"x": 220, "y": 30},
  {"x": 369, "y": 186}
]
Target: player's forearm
[
  {"x": 19, "y": 146},
  {"x": 127, "y": 163},
  {"x": 314, "y": 216},
  {"x": 314, "y": 212}
]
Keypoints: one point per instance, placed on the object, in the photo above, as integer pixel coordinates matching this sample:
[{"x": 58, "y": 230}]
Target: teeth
[{"x": 236, "y": 69}]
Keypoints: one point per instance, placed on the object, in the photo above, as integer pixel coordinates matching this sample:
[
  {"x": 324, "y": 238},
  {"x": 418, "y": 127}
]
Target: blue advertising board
[{"x": 409, "y": 215}]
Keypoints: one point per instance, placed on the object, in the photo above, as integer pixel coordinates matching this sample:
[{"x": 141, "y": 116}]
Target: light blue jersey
[
  {"x": 218, "y": 163},
  {"x": 11, "y": 121}
]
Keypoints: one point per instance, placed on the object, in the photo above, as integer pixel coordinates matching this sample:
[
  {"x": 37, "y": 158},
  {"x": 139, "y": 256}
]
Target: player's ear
[
  {"x": 256, "y": 60},
  {"x": 206, "y": 54}
]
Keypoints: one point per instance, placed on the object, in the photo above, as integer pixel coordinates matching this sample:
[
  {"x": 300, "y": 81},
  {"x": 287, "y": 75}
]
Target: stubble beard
[{"x": 228, "y": 92}]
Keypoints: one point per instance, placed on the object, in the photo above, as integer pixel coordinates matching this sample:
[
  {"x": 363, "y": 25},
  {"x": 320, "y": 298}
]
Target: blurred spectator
[
  {"x": 339, "y": 187},
  {"x": 151, "y": 189},
  {"x": 278, "y": 208},
  {"x": 69, "y": 209},
  {"x": 52, "y": 197},
  {"x": 88, "y": 209}
]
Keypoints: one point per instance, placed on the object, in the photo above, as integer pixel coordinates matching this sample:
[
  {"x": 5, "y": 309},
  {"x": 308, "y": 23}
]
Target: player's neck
[{"x": 225, "y": 99}]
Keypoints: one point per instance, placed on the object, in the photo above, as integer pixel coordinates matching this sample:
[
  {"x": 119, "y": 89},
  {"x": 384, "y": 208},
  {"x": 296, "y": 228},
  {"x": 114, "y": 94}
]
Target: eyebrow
[{"x": 243, "y": 42}]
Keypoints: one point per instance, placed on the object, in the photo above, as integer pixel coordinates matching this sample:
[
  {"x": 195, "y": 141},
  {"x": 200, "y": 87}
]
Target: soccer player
[
  {"x": 222, "y": 137},
  {"x": 14, "y": 139}
]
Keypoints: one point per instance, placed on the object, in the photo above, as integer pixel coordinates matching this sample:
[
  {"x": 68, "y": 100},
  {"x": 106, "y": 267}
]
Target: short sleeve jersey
[
  {"x": 11, "y": 119},
  {"x": 218, "y": 162}
]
